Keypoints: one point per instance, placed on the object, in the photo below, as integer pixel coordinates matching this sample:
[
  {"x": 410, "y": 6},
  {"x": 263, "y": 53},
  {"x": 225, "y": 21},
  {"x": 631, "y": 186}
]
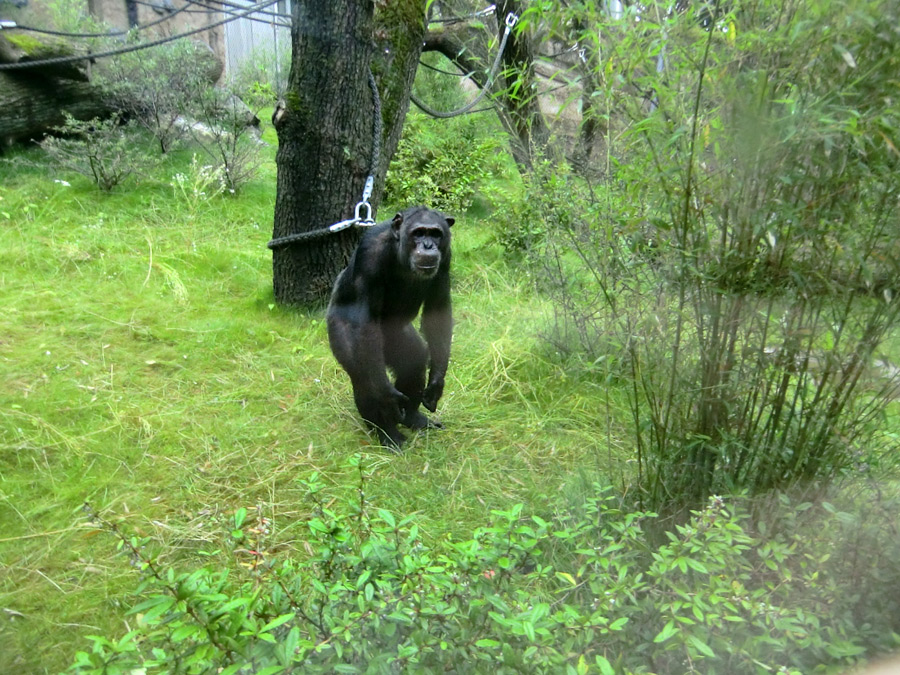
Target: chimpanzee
[{"x": 399, "y": 267}]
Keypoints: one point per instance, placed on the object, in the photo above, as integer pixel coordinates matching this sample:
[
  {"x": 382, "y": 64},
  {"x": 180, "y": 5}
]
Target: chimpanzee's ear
[
  {"x": 395, "y": 225},
  {"x": 450, "y": 220}
]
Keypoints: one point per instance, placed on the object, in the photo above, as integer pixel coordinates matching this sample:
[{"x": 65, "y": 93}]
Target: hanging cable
[
  {"x": 446, "y": 72},
  {"x": 206, "y": 4},
  {"x": 131, "y": 48},
  {"x": 487, "y": 11},
  {"x": 111, "y": 33},
  {"x": 511, "y": 20}
]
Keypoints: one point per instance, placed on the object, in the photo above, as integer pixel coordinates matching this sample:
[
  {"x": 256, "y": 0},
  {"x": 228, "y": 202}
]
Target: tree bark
[
  {"x": 518, "y": 107},
  {"x": 523, "y": 119},
  {"x": 33, "y": 99},
  {"x": 325, "y": 129},
  {"x": 31, "y": 105}
]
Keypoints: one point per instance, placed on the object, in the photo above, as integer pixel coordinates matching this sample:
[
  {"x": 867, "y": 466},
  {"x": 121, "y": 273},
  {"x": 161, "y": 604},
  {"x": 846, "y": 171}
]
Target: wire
[
  {"x": 511, "y": 20},
  {"x": 132, "y": 48},
  {"x": 487, "y": 11},
  {"x": 111, "y": 33},
  {"x": 446, "y": 72},
  {"x": 233, "y": 6},
  {"x": 206, "y": 9}
]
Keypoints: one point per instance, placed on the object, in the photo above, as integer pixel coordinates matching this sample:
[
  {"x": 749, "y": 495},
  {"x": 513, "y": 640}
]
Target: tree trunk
[
  {"x": 325, "y": 130},
  {"x": 519, "y": 108},
  {"x": 33, "y": 99},
  {"x": 521, "y": 113},
  {"x": 30, "y": 105}
]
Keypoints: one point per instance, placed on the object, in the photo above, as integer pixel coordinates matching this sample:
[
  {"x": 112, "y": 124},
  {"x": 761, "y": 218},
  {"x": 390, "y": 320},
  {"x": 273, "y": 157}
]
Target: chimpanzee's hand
[
  {"x": 433, "y": 393},
  {"x": 396, "y": 404}
]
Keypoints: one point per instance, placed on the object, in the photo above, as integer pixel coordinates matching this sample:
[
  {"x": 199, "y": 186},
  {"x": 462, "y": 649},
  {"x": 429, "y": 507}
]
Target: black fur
[{"x": 398, "y": 268}]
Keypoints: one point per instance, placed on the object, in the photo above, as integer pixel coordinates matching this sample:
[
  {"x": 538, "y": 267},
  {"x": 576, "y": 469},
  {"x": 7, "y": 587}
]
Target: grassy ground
[{"x": 146, "y": 369}]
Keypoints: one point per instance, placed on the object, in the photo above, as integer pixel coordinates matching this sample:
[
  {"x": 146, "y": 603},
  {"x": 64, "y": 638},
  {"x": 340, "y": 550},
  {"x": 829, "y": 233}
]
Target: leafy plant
[
  {"x": 585, "y": 593},
  {"x": 226, "y": 131},
  {"x": 101, "y": 149},
  {"x": 759, "y": 164},
  {"x": 197, "y": 185},
  {"x": 157, "y": 87},
  {"x": 442, "y": 171}
]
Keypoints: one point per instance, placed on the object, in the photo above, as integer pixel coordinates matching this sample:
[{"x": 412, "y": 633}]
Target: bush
[
  {"x": 747, "y": 332},
  {"x": 102, "y": 150},
  {"x": 442, "y": 171},
  {"x": 580, "y": 594},
  {"x": 169, "y": 91},
  {"x": 156, "y": 87}
]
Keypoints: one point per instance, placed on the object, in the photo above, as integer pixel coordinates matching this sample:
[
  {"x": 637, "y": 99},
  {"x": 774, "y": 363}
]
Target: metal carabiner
[
  {"x": 367, "y": 221},
  {"x": 343, "y": 225},
  {"x": 511, "y": 20},
  {"x": 367, "y": 190}
]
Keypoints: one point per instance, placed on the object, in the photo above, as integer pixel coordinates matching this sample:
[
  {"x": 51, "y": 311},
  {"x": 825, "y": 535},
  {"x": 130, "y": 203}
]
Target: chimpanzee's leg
[
  {"x": 381, "y": 415},
  {"x": 358, "y": 349},
  {"x": 406, "y": 354}
]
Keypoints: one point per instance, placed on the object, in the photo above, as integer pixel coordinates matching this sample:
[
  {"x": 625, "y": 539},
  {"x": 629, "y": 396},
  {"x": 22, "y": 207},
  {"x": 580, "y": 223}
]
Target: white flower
[{"x": 64, "y": 183}]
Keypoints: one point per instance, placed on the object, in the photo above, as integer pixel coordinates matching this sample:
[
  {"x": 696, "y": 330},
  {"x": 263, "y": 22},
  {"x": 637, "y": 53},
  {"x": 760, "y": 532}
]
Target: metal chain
[{"x": 511, "y": 21}]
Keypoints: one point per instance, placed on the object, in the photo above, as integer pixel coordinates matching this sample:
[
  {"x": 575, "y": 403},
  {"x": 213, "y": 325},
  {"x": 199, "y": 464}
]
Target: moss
[
  {"x": 400, "y": 20},
  {"x": 292, "y": 101},
  {"x": 36, "y": 48}
]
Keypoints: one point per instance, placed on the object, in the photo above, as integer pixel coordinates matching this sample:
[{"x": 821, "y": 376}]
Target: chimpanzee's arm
[
  {"x": 356, "y": 336},
  {"x": 437, "y": 325}
]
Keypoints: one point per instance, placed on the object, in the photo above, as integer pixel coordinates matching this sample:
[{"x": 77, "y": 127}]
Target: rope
[
  {"x": 487, "y": 11},
  {"x": 357, "y": 218},
  {"x": 133, "y": 48},
  {"x": 111, "y": 33},
  {"x": 511, "y": 20},
  {"x": 376, "y": 129},
  {"x": 445, "y": 72}
]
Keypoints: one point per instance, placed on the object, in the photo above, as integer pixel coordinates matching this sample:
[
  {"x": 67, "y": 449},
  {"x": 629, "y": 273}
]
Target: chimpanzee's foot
[
  {"x": 392, "y": 439},
  {"x": 416, "y": 420}
]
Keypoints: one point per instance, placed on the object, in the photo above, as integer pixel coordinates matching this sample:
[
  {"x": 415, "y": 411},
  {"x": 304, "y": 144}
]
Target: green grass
[{"x": 146, "y": 369}]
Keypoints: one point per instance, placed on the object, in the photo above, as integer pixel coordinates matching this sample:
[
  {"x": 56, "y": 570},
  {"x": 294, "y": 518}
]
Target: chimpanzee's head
[{"x": 423, "y": 240}]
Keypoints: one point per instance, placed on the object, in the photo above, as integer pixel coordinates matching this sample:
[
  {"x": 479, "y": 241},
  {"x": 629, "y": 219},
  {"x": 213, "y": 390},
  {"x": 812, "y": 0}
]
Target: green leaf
[
  {"x": 387, "y": 517},
  {"x": 619, "y": 623},
  {"x": 274, "y": 623},
  {"x": 668, "y": 631},
  {"x": 271, "y": 670},
  {"x": 567, "y": 577},
  {"x": 604, "y": 665},
  {"x": 697, "y": 565},
  {"x": 701, "y": 646},
  {"x": 528, "y": 627},
  {"x": 582, "y": 666},
  {"x": 491, "y": 644},
  {"x": 240, "y": 516},
  {"x": 183, "y": 632}
]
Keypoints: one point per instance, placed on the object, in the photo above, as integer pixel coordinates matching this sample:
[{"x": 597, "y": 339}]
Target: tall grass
[
  {"x": 735, "y": 265},
  {"x": 146, "y": 368}
]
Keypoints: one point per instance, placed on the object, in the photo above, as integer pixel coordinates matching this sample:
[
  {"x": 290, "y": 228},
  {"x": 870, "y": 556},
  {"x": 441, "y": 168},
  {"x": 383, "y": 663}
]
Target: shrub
[
  {"x": 584, "y": 593},
  {"x": 102, "y": 150},
  {"x": 442, "y": 171},
  {"x": 226, "y": 131},
  {"x": 156, "y": 87},
  {"x": 748, "y": 331}
]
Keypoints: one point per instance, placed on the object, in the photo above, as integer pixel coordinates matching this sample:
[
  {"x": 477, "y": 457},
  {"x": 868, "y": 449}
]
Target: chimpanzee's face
[{"x": 423, "y": 241}]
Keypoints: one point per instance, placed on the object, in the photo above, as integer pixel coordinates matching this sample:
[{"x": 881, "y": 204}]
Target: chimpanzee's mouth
[{"x": 427, "y": 270}]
